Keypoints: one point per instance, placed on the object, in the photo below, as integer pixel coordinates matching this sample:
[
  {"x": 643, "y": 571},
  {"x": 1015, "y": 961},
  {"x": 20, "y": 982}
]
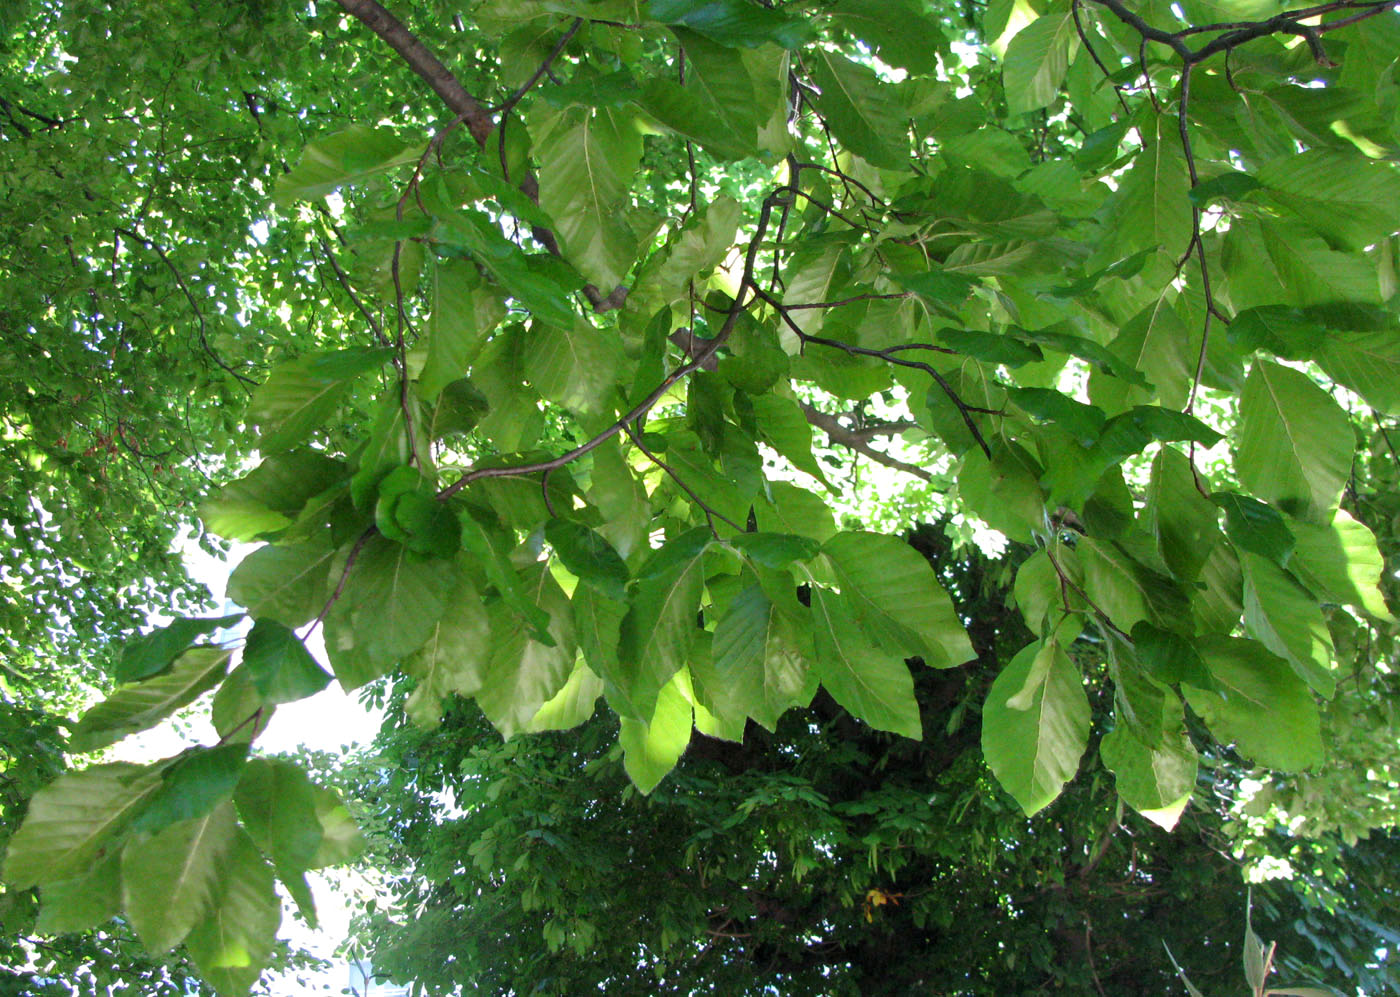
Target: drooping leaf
[
  {"x": 1341, "y": 562},
  {"x": 523, "y": 673},
  {"x": 651, "y": 749},
  {"x": 170, "y": 879},
  {"x": 1282, "y": 616},
  {"x": 1155, "y": 780},
  {"x": 1034, "y": 746},
  {"x": 233, "y": 943},
  {"x": 661, "y": 625},
  {"x": 1261, "y": 706},
  {"x": 76, "y": 820},
  {"x": 1295, "y": 442},
  {"x": 453, "y": 658},
  {"x": 897, "y": 598},
  {"x": 390, "y": 602},
  {"x": 873, "y": 684},
  {"x": 144, "y": 704}
]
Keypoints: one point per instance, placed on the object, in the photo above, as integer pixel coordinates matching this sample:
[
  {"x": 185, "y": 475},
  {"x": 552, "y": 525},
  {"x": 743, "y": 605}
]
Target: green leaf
[
  {"x": 391, "y": 600},
  {"x": 651, "y": 749},
  {"x": 1282, "y": 616},
  {"x": 756, "y": 667},
  {"x": 344, "y": 157},
  {"x": 900, "y": 32},
  {"x": 524, "y": 673},
  {"x": 134, "y": 708},
  {"x": 76, "y": 820},
  {"x": 300, "y": 396},
  {"x": 1184, "y": 523},
  {"x": 589, "y": 556},
  {"x": 1155, "y": 780},
  {"x": 897, "y": 598},
  {"x": 464, "y": 312},
  {"x": 1084, "y": 422},
  {"x": 775, "y": 550},
  {"x": 661, "y": 625},
  {"x": 169, "y": 879},
  {"x": 234, "y": 942},
  {"x": 862, "y": 112},
  {"x": 1366, "y": 362},
  {"x": 576, "y": 366},
  {"x": 150, "y": 654},
  {"x": 989, "y": 347},
  {"x": 782, "y": 426},
  {"x": 1253, "y": 526},
  {"x": 1036, "y": 62},
  {"x": 81, "y": 903},
  {"x": 1341, "y": 563},
  {"x": 571, "y": 705},
  {"x": 198, "y": 781},
  {"x": 1263, "y": 708},
  {"x": 341, "y": 840},
  {"x": 587, "y": 157},
  {"x": 287, "y": 584},
  {"x": 1004, "y": 491},
  {"x": 1295, "y": 443},
  {"x": 1034, "y": 746},
  {"x": 1169, "y": 657},
  {"x": 872, "y": 684},
  {"x": 735, "y": 23},
  {"x": 279, "y": 665},
  {"x": 268, "y": 498},
  {"x": 1128, "y": 590},
  {"x": 1085, "y": 349},
  {"x": 1151, "y": 208},
  {"x": 277, "y": 804},
  {"x": 1352, "y": 201},
  {"x": 454, "y": 657}
]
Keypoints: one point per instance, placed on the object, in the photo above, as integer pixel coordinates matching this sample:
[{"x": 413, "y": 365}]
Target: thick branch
[{"x": 425, "y": 64}]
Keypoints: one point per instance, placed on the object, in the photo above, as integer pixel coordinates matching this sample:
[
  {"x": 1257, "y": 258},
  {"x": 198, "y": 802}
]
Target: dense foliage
[
  {"x": 530, "y": 308},
  {"x": 827, "y": 858}
]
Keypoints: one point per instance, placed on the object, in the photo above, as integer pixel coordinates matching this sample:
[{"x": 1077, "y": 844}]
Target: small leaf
[{"x": 152, "y": 653}]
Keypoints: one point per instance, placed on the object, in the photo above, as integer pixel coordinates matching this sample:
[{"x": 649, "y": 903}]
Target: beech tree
[{"x": 557, "y": 329}]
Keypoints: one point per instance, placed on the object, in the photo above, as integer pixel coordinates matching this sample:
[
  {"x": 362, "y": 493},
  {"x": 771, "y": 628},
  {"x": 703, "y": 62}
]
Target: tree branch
[
  {"x": 467, "y": 109},
  {"x": 858, "y": 441}
]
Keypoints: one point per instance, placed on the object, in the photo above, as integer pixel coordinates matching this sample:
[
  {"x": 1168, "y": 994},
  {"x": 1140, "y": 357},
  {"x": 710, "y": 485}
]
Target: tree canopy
[{"x": 561, "y": 353}]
